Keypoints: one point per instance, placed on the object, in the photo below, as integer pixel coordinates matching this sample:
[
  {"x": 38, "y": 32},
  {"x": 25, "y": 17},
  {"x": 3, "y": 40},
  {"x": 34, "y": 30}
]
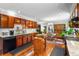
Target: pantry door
[{"x": 58, "y": 28}]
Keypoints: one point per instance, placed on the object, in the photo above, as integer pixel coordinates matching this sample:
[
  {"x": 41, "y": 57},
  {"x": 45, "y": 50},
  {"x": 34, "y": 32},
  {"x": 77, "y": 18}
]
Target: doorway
[{"x": 58, "y": 28}]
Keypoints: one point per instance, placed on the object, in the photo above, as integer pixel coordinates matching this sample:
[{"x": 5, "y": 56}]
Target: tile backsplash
[{"x": 6, "y": 32}]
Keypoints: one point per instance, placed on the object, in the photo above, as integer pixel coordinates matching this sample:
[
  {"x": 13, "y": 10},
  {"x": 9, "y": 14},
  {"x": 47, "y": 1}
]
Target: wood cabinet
[
  {"x": 27, "y": 23},
  {"x": 35, "y": 25},
  {"x": 29, "y": 37},
  {"x": 19, "y": 40},
  {"x": 31, "y": 24},
  {"x": 3, "y": 21},
  {"x": 25, "y": 39},
  {"x": 23, "y": 23},
  {"x": 7, "y": 21},
  {"x": 17, "y": 20},
  {"x": 11, "y": 22}
]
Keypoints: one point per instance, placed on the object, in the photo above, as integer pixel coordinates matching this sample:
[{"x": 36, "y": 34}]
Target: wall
[{"x": 58, "y": 22}]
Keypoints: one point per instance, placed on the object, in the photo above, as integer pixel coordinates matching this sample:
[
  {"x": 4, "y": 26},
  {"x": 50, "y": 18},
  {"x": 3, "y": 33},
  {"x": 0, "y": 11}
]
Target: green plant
[{"x": 68, "y": 32}]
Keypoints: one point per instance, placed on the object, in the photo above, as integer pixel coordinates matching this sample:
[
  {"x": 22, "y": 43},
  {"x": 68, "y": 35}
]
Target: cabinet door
[
  {"x": 31, "y": 24},
  {"x": 27, "y": 23},
  {"x": 29, "y": 38},
  {"x": 24, "y": 39},
  {"x": 18, "y": 41},
  {"x": 17, "y": 20},
  {"x": 4, "y": 21},
  {"x": 11, "y": 22},
  {"x": 34, "y": 24},
  {"x": 23, "y": 23}
]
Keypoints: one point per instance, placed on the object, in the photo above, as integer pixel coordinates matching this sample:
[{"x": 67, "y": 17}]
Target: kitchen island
[{"x": 72, "y": 46}]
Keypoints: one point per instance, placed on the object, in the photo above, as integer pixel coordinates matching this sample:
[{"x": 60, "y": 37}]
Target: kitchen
[{"x": 44, "y": 29}]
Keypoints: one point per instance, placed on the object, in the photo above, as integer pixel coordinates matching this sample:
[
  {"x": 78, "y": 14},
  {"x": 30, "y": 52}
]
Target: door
[{"x": 58, "y": 28}]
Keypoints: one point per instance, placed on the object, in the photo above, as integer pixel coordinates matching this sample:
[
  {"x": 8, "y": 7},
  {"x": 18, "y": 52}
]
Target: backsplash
[{"x": 13, "y": 32}]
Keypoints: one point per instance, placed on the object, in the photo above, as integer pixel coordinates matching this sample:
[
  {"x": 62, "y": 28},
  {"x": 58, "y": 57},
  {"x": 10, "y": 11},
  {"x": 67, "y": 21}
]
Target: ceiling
[{"x": 40, "y": 11}]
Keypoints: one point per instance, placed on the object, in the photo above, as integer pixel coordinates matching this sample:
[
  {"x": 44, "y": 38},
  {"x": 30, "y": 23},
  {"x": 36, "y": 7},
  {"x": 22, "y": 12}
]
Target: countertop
[
  {"x": 73, "y": 46},
  {"x": 14, "y": 35}
]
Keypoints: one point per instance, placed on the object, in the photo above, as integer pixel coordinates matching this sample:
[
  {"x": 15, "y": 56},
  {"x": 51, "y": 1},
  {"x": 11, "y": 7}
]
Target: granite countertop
[{"x": 73, "y": 46}]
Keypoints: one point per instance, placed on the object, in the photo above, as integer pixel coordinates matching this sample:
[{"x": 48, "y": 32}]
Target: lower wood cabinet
[
  {"x": 8, "y": 44},
  {"x": 25, "y": 38},
  {"x": 29, "y": 38},
  {"x": 19, "y": 41}
]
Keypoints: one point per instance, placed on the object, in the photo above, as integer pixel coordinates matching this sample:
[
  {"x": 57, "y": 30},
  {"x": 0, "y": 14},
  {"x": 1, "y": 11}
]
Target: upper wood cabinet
[
  {"x": 3, "y": 21},
  {"x": 17, "y": 20},
  {"x": 27, "y": 23},
  {"x": 23, "y": 23},
  {"x": 35, "y": 25},
  {"x": 7, "y": 21},
  {"x": 31, "y": 24},
  {"x": 11, "y": 22}
]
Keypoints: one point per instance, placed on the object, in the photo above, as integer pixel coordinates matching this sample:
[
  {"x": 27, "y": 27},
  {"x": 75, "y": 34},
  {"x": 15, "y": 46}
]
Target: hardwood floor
[
  {"x": 30, "y": 52},
  {"x": 47, "y": 52}
]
